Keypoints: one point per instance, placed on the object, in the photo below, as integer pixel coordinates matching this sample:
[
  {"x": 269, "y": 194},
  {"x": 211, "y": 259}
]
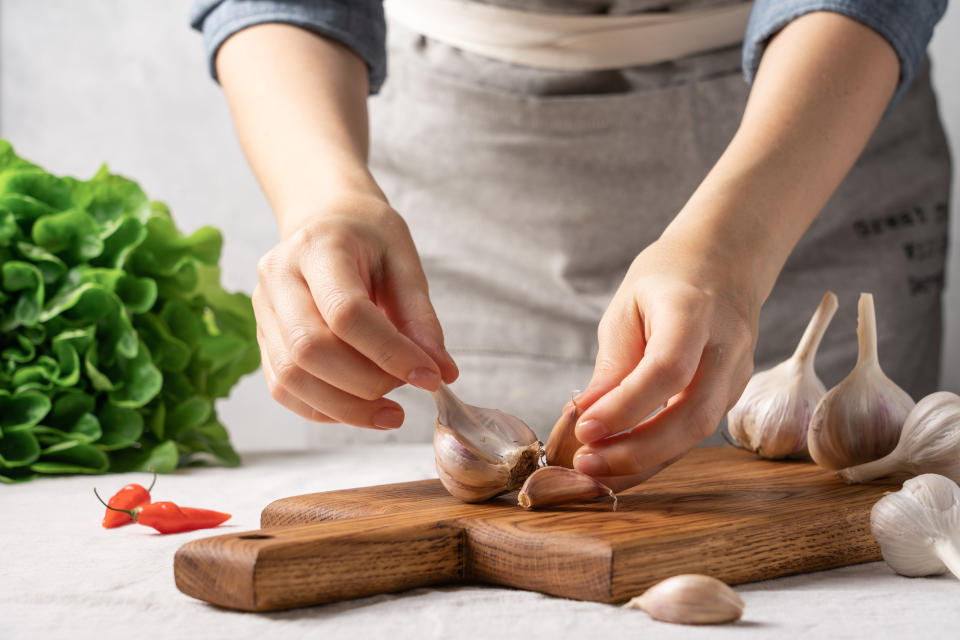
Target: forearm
[
  {"x": 822, "y": 87},
  {"x": 299, "y": 105}
]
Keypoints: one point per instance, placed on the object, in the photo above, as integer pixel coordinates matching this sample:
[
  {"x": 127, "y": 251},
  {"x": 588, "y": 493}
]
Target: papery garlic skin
[
  {"x": 551, "y": 486},
  {"x": 860, "y": 419},
  {"x": 918, "y": 527},
  {"x": 929, "y": 443},
  {"x": 774, "y": 410},
  {"x": 690, "y": 599},
  {"x": 480, "y": 453}
]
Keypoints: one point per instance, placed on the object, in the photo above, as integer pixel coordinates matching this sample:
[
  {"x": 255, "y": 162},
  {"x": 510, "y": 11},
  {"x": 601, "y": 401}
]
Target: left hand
[{"x": 679, "y": 335}]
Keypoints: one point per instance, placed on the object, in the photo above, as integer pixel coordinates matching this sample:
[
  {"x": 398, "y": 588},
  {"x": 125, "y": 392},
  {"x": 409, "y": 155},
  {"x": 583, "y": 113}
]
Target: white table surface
[{"x": 63, "y": 576}]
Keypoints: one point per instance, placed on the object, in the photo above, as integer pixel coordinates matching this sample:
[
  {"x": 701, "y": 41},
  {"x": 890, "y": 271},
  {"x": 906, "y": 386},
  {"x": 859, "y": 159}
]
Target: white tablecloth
[{"x": 63, "y": 576}]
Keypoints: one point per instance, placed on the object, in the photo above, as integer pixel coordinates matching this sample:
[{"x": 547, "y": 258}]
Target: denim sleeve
[
  {"x": 906, "y": 24},
  {"x": 357, "y": 24}
]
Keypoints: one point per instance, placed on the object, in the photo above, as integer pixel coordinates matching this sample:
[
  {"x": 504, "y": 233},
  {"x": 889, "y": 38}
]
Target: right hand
[{"x": 344, "y": 317}]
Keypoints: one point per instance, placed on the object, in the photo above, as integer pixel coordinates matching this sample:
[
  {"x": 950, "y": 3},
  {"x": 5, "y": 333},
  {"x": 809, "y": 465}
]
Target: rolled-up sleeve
[
  {"x": 906, "y": 24},
  {"x": 357, "y": 24}
]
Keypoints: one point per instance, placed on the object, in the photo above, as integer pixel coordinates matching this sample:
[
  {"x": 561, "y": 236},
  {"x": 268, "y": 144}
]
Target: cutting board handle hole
[{"x": 255, "y": 536}]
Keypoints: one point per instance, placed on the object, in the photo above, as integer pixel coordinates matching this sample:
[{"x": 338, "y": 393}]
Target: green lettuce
[{"x": 116, "y": 337}]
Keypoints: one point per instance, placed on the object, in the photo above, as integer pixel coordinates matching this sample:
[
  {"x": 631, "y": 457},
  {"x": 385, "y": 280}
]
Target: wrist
[
  {"x": 740, "y": 231},
  {"x": 352, "y": 194}
]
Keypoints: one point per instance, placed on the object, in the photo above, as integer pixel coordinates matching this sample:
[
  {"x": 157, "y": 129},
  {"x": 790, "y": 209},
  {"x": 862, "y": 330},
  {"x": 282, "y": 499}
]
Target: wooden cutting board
[{"x": 719, "y": 511}]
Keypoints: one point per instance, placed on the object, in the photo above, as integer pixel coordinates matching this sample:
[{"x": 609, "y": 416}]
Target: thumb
[{"x": 407, "y": 303}]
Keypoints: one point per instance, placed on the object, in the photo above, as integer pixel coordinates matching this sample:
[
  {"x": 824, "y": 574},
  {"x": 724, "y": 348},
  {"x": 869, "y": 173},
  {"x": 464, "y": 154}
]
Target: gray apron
[{"x": 529, "y": 192}]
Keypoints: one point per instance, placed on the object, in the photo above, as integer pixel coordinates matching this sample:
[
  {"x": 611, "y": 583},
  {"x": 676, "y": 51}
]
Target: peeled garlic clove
[
  {"x": 562, "y": 443},
  {"x": 918, "y": 527},
  {"x": 690, "y": 599},
  {"x": 550, "y": 486},
  {"x": 480, "y": 453},
  {"x": 859, "y": 420},
  {"x": 929, "y": 443},
  {"x": 773, "y": 412}
]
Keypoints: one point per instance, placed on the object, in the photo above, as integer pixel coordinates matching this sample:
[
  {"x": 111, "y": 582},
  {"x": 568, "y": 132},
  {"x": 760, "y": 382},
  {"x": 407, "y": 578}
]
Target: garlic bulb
[
  {"x": 918, "y": 527},
  {"x": 562, "y": 444},
  {"x": 481, "y": 453},
  {"x": 690, "y": 599},
  {"x": 929, "y": 443},
  {"x": 773, "y": 412},
  {"x": 549, "y": 486},
  {"x": 859, "y": 420}
]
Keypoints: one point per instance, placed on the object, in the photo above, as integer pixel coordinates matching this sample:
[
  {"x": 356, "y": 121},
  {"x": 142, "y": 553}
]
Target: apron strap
[{"x": 566, "y": 42}]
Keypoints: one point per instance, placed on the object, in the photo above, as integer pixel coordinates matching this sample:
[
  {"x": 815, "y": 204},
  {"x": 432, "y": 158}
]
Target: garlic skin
[
  {"x": 774, "y": 410},
  {"x": 690, "y": 599},
  {"x": 480, "y": 453},
  {"x": 929, "y": 443},
  {"x": 859, "y": 420},
  {"x": 551, "y": 486},
  {"x": 918, "y": 527},
  {"x": 562, "y": 443}
]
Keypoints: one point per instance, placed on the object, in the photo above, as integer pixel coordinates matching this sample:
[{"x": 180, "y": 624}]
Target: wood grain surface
[{"x": 719, "y": 511}]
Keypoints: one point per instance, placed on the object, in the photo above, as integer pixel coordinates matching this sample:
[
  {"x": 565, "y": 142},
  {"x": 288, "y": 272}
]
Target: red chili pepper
[
  {"x": 167, "y": 517},
  {"x": 129, "y": 497}
]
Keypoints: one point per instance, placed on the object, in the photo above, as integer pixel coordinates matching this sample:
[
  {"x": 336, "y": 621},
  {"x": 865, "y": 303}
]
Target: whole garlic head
[
  {"x": 918, "y": 527},
  {"x": 929, "y": 443},
  {"x": 859, "y": 420},
  {"x": 481, "y": 453},
  {"x": 773, "y": 412}
]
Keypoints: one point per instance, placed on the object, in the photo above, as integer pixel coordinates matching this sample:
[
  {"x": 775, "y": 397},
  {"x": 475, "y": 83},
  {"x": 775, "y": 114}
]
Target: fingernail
[
  {"x": 591, "y": 430},
  {"x": 424, "y": 378},
  {"x": 592, "y": 464},
  {"x": 388, "y": 418}
]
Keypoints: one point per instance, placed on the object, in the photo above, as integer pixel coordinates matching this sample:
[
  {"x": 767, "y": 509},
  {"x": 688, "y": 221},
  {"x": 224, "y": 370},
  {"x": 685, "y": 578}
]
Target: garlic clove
[
  {"x": 773, "y": 412},
  {"x": 481, "y": 453},
  {"x": 929, "y": 443},
  {"x": 918, "y": 527},
  {"x": 690, "y": 599},
  {"x": 860, "y": 419},
  {"x": 550, "y": 486},
  {"x": 562, "y": 443}
]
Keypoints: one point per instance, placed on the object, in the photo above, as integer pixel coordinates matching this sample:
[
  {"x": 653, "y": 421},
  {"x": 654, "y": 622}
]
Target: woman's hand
[
  {"x": 343, "y": 316},
  {"x": 680, "y": 332}
]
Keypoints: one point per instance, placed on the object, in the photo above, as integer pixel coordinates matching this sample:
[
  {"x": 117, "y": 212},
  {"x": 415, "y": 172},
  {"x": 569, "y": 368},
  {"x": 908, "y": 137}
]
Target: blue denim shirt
[{"x": 359, "y": 24}]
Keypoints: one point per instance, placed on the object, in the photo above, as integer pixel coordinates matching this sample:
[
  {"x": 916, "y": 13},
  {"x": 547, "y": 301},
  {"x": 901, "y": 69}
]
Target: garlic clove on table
[
  {"x": 929, "y": 443},
  {"x": 690, "y": 599},
  {"x": 859, "y": 420},
  {"x": 773, "y": 412},
  {"x": 918, "y": 527},
  {"x": 481, "y": 453}
]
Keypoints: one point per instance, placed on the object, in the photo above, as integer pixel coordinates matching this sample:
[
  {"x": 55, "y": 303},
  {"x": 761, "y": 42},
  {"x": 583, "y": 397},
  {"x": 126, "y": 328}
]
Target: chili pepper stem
[
  {"x": 154, "y": 481},
  {"x": 130, "y": 512}
]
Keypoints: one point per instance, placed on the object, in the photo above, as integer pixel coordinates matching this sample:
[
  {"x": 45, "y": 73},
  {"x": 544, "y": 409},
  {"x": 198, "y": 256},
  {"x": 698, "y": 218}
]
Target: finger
[
  {"x": 285, "y": 398},
  {"x": 621, "y": 483},
  {"x": 406, "y": 297},
  {"x": 669, "y": 362},
  {"x": 621, "y": 342},
  {"x": 288, "y": 378},
  {"x": 671, "y": 432},
  {"x": 345, "y": 305},
  {"x": 314, "y": 348}
]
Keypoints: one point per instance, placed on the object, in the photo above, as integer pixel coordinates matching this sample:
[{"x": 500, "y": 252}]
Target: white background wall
[{"x": 82, "y": 82}]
